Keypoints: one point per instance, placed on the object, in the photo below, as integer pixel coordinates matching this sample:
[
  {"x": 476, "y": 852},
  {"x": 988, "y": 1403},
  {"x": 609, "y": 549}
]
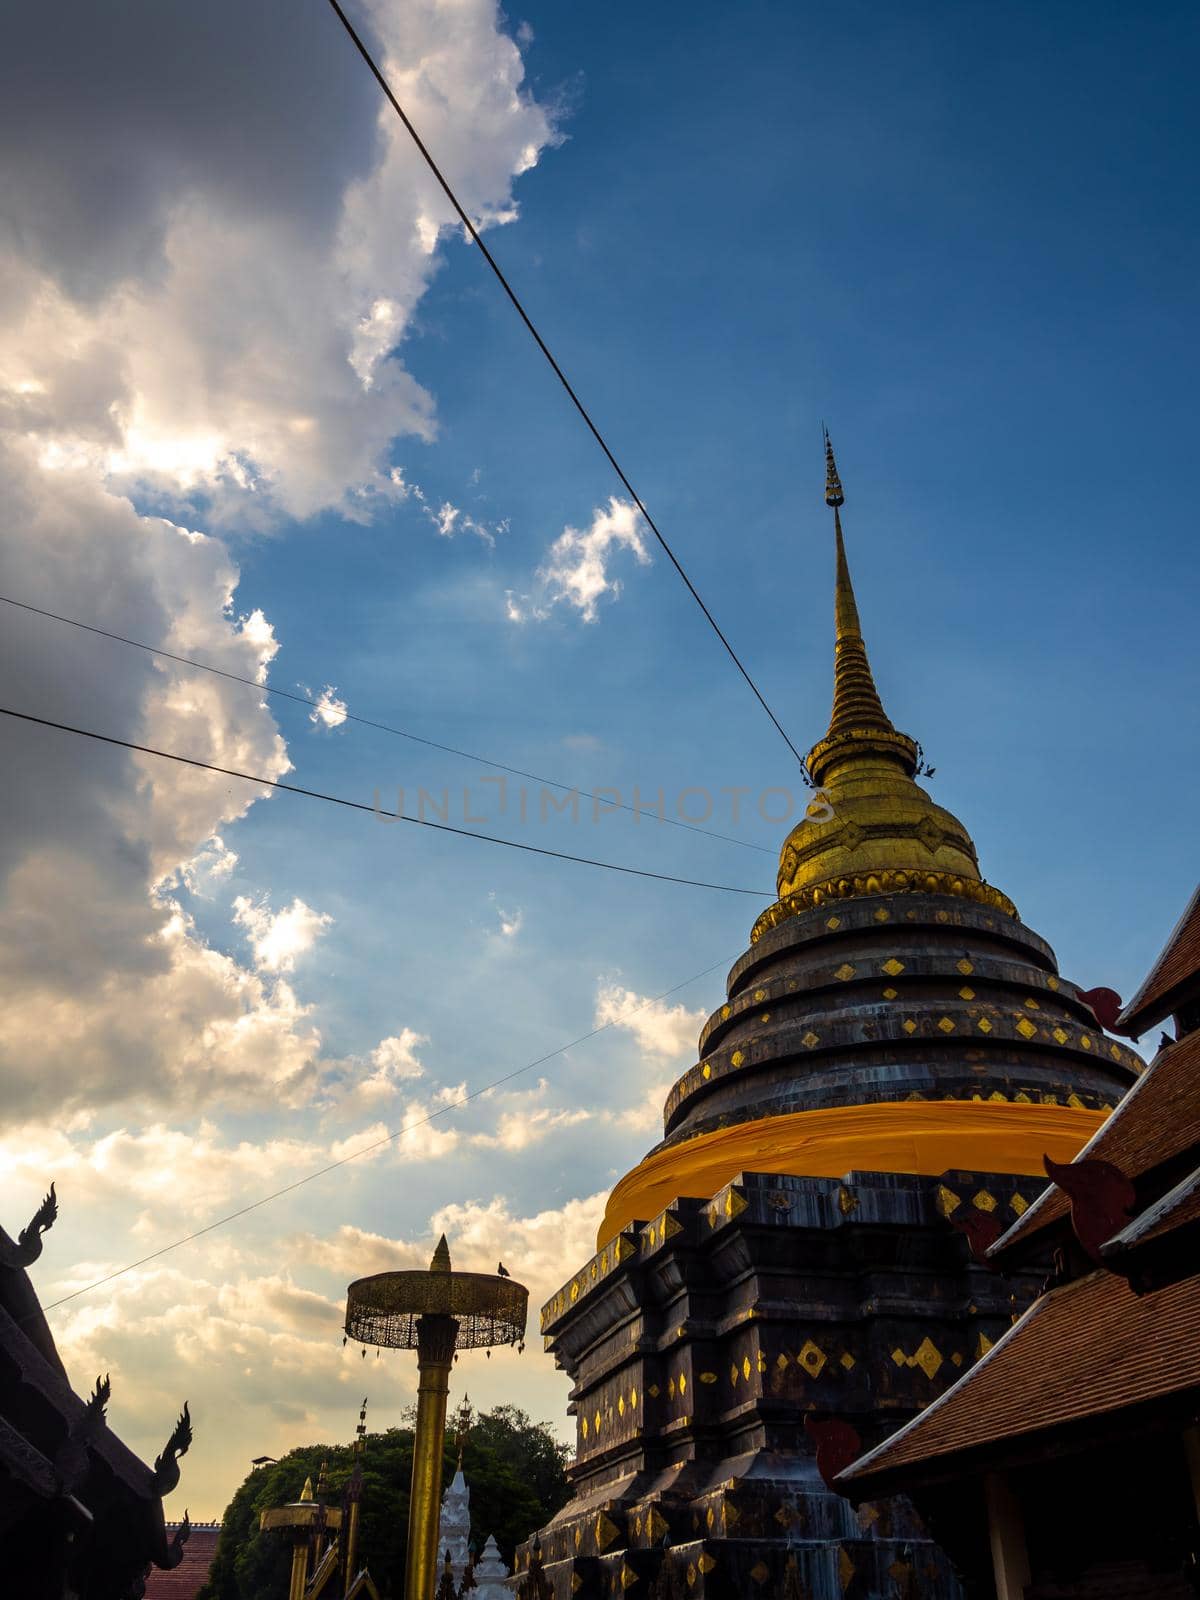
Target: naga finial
[
  {"x": 98, "y": 1399},
  {"x": 71, "y": 1462},
  {"x": 175, "y": 1548},
  {"x": 166, "y": 1466},
  {"x": 29, "y": 1240}
]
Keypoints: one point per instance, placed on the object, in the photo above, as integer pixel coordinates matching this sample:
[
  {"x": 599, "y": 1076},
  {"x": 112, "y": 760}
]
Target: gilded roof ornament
[
  {"x": 833, "y": 484},
  {"x": 878, "y": 831}
]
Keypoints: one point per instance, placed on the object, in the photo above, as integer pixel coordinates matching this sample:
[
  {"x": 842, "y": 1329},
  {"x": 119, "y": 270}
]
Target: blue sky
[{"x": 965, "y": 238}]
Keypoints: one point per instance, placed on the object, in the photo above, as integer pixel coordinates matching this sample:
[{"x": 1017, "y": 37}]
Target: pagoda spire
[
  {"x": 859, "y": 727},
  {"x": 856, "y": 702}
]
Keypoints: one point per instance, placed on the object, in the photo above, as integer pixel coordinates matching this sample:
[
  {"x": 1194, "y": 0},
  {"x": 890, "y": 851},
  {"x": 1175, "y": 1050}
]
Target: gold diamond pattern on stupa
[
  {"x": 1019, "y": 1204},
  {"x": 760, "y": 1572},
  {"x": 966, "y": 993},
  {"x": 844, "y": 972},
  {"x": 985, "y": 1201},
  {"x": 909, "y": 1025},
  {"x": 1061, "y": 1035},
  {"x": 890, "y": 994},
  {"x": 965, "y": 967},
  {"x": 1026, "y": 1028},
  {"x": 984, "y": 1025},
  {"x": 812, "y": 1358},
  {"x": 846, "y": 1359},
  {"x": 945, "y": 1024},
  {"x": 928, "y": 1357},
  {"x": 892, "y": 967},
  {"x": 811, "y": 1038},
  {"x": 947, "y": 1200}
]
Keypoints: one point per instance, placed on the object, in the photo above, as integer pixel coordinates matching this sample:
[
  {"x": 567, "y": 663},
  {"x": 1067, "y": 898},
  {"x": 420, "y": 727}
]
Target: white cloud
[
  {"x": 540, "y": 1250},
  {"x": 576, "y": 569},
  {"x": 205, "y": 310},
  {"x": 328, "y": 710},
  {"x": 224, "y": 323},
  {"x": 517, "y": 1130},
  {"x": 660, "y": 1029},
  {"x": 199, "y": 316},
  {"x": 279, "y": 938},
  {"x": 450, "y": 520},
  {"x": 393, "y": 1060},
  {"x": 211, "y": 864},
  {"x": 510, "y": 922},
  {"x": 257, "y": 1355}
]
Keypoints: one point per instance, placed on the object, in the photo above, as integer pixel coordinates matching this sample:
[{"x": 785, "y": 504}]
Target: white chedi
[
  {"x": 454, "y": 1529},
  {"x": 490, "y": 1574}
]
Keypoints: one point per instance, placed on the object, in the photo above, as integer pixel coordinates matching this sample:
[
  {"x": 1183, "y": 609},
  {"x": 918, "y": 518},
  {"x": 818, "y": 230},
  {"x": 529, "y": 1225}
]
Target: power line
[
  {"x": 376, "y": 811},
  {"x": 377, "y": 1144},
  {"x": 558, "y": 371},
  {"x": 366, "y": 722}
]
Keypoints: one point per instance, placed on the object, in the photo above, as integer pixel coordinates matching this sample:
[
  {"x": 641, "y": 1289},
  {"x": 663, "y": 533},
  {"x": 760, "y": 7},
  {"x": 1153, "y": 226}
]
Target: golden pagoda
[{"x": 796, "y": 1261}]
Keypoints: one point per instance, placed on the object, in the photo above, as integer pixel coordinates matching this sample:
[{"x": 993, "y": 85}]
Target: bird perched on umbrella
[{"x": 501, "y": 1270}]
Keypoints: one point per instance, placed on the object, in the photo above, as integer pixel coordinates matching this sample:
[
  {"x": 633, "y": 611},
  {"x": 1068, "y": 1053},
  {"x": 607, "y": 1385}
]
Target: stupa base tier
[
  {"x": 740, "y": 1569},
  {"x": 738, "y": 1538},
  {"x": 717, "y": 1329}
]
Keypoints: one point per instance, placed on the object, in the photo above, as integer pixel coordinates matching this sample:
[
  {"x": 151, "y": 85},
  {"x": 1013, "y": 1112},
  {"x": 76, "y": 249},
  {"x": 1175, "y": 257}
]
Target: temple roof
[
  {"x": 1177, "y": 966},
  {"x": 1087, "y": 1349},
  {"x": 1156, "y": 1123},
  {"x": 1179, "y": 1208}
]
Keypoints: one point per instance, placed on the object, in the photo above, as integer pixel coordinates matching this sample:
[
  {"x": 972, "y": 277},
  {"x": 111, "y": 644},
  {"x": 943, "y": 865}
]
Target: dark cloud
[{"x": 112, "y": 114}]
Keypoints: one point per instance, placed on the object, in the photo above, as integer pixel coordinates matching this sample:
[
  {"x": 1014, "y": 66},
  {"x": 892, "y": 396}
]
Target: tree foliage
[{"x": 515, "y": 1469}]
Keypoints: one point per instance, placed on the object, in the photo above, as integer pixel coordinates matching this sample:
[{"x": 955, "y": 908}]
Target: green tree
[{"x": 515, "y": 1469}]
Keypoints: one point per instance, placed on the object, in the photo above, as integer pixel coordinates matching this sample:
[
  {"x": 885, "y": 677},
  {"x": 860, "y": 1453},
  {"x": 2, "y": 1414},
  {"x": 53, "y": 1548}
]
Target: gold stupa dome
[
  {"x": 871, "y": 828},
  {"x": 892, "y": 1013}
]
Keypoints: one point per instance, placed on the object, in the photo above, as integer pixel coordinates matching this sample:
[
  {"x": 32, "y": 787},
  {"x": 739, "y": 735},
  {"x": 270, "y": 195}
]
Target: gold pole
[
  {"x": 299, "y": 1564},
  {"x": 352, "y": 1543},
  {"x": 435, "y": 1354}
]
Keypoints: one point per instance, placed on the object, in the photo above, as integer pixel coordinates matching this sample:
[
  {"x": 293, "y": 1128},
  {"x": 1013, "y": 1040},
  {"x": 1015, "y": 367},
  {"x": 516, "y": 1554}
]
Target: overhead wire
[
  {"x": 378, "y": 1144},
  {"x": 312, "y": 702},
  {"x": 593, "y": 429},
  {"x": 374, "y": 810}
]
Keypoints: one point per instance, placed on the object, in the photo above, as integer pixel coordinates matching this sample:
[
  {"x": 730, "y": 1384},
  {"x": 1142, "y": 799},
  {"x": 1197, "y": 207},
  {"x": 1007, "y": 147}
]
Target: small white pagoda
[
  {"x": 454, "y": 1529},
  {"x": 490, "y": 1574}
]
